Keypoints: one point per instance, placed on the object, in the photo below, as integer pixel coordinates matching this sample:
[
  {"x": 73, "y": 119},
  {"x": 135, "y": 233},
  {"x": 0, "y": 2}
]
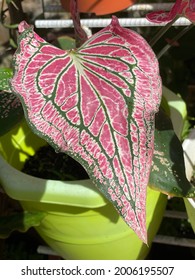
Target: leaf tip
[
  {"x": 142, "y": 234},
  {"x": 23, "y": 26},
  {"x": 115, "y": 22}
]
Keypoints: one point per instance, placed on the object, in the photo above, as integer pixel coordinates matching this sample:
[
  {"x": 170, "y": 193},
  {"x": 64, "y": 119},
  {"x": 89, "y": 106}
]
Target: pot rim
[{"x": 24, "y": 187}]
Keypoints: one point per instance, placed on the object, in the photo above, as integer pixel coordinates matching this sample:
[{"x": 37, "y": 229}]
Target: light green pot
[{"x": 80, "y": 222}]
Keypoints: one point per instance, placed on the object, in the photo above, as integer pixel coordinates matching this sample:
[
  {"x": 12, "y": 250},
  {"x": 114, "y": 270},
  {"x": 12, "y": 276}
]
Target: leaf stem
[
  {"x": 161, "y": 32},
  {"x": 80, "y": 35},
  {"x": 177, "y": 37}
]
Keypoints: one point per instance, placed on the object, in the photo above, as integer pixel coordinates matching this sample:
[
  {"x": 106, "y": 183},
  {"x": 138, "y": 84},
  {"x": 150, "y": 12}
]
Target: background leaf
[
  {"x": 21, "y": 221},
  {"x": 11, "y": 111},
  {"x": 5, "y": 75},
  {"x": 65, "y": 43},
  {"x": 168, "y": 169}
]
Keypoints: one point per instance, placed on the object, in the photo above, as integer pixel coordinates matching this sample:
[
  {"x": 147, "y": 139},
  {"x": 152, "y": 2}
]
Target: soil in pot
[{"x": 47, "y": 164}]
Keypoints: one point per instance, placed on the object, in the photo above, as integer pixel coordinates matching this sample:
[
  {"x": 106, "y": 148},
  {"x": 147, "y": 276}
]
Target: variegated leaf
[
  {"x": 97, "y": 104},
  {"x": 168, "y": 169},
  {"x": 180, "y": 8}
]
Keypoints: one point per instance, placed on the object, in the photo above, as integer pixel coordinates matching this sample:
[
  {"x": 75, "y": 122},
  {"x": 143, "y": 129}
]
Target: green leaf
[
  {"x": 168, "y": 169},
  {"x": 11, "y": 26},
  {"x": 9, "y": 1},
  {"x": 21, "y": 221},
  {"x": 5, "y": 75},
  {"x": 165, "y": 106},
  {"x": 12, "y": 43},
  {"x": 65, "y": 43},
  {"x": 11, "y": 111}
]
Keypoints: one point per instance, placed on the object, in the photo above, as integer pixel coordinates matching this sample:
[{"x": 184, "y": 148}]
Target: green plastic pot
[
  {"x": 189, "y": 157},
  {"x": 80, "y": 222}
]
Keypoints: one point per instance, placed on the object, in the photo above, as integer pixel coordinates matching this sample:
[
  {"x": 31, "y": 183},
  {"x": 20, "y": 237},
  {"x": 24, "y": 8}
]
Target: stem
[
  {"x": 16, "y": 16},
  {"x": 80, "y": 35},
  {"x": 177, "y": 37},
  {"x": 161, "y": 32}
]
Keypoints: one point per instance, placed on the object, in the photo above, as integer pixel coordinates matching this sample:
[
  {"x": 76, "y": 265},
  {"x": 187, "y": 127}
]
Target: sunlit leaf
[
  {"x": 5, "y": 75},
  {"x": 97, "y": 104}
]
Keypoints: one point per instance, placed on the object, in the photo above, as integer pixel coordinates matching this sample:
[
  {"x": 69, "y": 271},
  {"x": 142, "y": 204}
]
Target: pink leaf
[
  {"x": 184, "y": 8},
  {"x": 192, "y": 5},
  {"x": 97, "y": 104}
]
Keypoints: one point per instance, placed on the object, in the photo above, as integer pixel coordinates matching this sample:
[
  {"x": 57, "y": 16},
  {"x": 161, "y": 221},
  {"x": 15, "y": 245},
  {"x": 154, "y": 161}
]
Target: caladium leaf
[
  {"x": 97, "y": 104},
  {"x": 168, "y": 168},
  {"x": 184, "y": 8}
]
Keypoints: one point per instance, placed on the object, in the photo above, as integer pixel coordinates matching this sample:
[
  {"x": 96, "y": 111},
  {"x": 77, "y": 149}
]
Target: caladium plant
[{"x": 97, "y": 103}]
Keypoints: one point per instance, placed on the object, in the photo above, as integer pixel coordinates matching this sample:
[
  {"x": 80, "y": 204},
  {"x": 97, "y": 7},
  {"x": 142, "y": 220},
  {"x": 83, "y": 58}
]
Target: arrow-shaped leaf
[{"x": 96, "y": 103}]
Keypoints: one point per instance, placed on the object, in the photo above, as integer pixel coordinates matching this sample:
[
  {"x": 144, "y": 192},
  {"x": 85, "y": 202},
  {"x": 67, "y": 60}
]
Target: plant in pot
[{"x": 98, "y": 104}]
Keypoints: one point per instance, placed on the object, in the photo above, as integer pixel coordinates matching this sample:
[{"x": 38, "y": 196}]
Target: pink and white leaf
[
  {"x": 97, "y": 104},
  {"x": 184, "y": 8},
  {"x": 192, "y": 5}
]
